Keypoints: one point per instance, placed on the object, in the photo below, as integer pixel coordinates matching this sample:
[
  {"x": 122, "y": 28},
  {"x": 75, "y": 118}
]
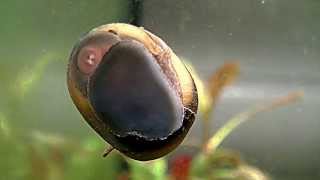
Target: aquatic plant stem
[
  {"x": 224, "y": 76},
  {"x": 234, "y": 122},
  {"x": 207, "y": 116}
]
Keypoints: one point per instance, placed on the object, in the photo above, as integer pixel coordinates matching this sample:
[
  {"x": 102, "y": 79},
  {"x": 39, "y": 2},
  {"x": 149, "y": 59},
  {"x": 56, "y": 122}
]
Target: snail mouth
[{"x": 132, "y": 96}]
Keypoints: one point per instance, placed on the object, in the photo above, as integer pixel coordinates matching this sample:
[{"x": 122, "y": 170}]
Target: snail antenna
[{"x": 107, "y": 151}]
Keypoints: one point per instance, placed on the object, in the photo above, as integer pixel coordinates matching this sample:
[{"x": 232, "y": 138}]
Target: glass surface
[{"x": 275, "y": 44}]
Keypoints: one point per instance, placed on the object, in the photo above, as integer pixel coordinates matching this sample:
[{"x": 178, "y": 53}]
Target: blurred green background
[
  {"x": 42, "y": 135},
  {"x": 277, "y": 44},
  {"x": 37, "y": 37}
]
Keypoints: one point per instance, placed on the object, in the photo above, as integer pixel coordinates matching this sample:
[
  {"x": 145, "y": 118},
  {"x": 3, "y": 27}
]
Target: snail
[{"x": 132, "y": 90}]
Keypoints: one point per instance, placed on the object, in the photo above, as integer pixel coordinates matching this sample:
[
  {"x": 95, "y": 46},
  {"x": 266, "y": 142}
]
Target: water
[{"x": 276, "y": 44}]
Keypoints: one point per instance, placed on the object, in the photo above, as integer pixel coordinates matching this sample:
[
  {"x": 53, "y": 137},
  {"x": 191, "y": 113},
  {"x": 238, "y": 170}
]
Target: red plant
[{"x": 180, "y": 167}]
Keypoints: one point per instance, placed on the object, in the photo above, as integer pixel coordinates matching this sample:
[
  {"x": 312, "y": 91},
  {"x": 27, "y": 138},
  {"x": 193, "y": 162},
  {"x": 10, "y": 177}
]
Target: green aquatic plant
[
  {"x": 156, "y": 169},
  {"x": 209, "y": 92},
  {"x": 29, "y": 77},
  {"x": 242, "y": 117}
]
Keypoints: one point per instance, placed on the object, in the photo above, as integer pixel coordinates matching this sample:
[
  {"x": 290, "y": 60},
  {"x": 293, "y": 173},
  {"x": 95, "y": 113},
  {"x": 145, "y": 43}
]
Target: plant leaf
[{"x": 238, "y": 119}]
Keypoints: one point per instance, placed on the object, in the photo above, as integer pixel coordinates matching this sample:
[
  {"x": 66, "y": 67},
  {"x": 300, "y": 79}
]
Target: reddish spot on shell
[{"x": 88, "y": 59}]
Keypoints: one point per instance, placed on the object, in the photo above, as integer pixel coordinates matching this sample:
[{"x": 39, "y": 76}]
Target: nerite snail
[{"x": 132, "y": 90}]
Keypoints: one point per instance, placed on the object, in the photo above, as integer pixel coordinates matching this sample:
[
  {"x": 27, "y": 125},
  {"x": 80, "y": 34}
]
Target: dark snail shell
[{"x": 132, "y": 90}]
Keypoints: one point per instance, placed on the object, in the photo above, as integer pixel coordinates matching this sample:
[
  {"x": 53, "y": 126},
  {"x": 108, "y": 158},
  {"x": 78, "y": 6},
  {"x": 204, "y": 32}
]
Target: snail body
[{"x": 132, "y": 90}]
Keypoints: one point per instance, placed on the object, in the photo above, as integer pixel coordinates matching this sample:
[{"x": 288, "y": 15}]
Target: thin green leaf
[
  {"x": 31, "y": 75},
  {"x": 234, "y": 122}
]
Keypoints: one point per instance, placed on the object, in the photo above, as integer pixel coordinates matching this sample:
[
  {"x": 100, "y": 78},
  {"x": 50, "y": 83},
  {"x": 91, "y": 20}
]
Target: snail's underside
[
  {"x": 132, "y": 90},
  {"x": 132, "y": 95}
]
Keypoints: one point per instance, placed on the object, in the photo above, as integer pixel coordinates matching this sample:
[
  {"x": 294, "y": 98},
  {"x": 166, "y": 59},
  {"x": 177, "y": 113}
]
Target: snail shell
[{"x": 132, "y": 90}]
